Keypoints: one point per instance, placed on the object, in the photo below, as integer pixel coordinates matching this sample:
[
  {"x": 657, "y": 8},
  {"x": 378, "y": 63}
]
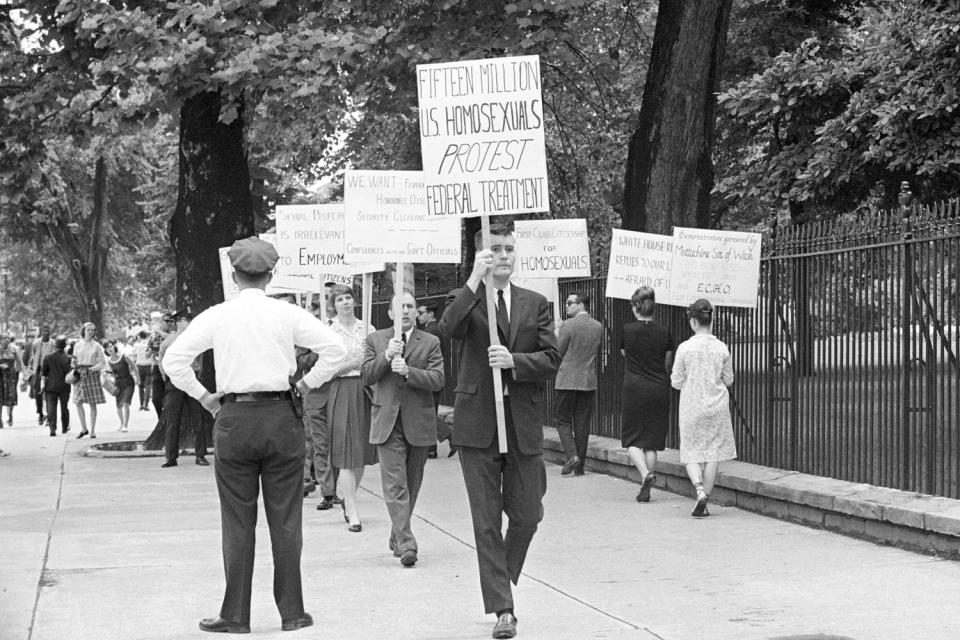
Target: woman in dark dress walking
[{"x": 647, "y": 347}]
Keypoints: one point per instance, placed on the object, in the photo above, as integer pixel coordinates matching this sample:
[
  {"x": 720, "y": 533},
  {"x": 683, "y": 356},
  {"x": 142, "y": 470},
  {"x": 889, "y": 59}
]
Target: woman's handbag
[
  {"x": 72, "y": 377},
  {"x": 110, "y": 385}
]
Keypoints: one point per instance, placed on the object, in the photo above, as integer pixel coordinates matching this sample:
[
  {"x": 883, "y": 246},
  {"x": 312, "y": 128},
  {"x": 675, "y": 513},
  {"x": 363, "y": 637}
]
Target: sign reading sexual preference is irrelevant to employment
[
  {"x": 481, "y": 133},
  {"x": 386, "y": 220},
  {"x": 312, "y": 236},
  {"x": 552, "y": 248}
]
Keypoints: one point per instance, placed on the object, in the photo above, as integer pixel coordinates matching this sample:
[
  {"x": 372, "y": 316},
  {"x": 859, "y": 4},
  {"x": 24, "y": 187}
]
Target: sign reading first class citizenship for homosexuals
[
  {"x": 481, "y": 134},
  {"x": 386, "y": 220},
  {"x": 552, "y": 248}
]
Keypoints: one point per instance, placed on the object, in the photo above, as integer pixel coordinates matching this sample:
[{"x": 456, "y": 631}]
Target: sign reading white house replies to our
[
  {"x": 721, "y": 266},
  {"x": 639, "y": 259},
  {"x": 481, "y": 134},
  {"x": 386, "y": 220},
  {"x": 552, "y": 248},
  {"x": 312, "y": 237}
]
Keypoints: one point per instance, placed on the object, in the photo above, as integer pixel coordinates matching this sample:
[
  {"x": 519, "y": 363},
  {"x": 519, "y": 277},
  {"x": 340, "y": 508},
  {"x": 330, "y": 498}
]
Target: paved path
[{"x": 121, "y": 549}]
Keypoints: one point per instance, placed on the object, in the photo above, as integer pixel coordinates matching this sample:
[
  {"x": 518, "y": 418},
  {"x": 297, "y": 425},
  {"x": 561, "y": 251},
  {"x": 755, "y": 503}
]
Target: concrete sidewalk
[{"x": 108, "y": 548}]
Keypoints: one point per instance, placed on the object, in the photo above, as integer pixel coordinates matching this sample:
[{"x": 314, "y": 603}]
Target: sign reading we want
[{"x": 481, "y": 129}]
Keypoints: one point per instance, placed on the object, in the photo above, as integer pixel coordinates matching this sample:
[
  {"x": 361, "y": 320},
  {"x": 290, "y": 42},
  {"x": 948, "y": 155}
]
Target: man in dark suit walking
[
  {"x": 513, "y": 482},
  {"x": 576, "y": 384},
  {"x": 404, "y": 373},
  {"x": 54, "y": 369},
  {"x": 427, "y": 319}
]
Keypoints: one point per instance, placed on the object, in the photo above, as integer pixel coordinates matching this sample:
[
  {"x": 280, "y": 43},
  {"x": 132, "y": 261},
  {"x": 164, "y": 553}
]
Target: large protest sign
[
  {"x": 282, "y": 281},
  {"x": 481, "y": 135},
  {"x": 230, "y": 288},
  {"x": 721, "y": 266},
  {"x": 386, "y": 220},
  {"x": 639, "y": 259},
  {"x": 552, "y": 248},
  {"x": 311, "y": 236}
]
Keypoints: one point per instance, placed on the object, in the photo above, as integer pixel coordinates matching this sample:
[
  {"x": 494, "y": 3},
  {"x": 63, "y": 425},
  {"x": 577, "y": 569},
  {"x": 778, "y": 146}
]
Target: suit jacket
[
  {"x": 579, "y": 339},
  {"x": 535, "y": 357},
  {"x": 410, "y": 398},
  {"x": 54, "y": 369}
]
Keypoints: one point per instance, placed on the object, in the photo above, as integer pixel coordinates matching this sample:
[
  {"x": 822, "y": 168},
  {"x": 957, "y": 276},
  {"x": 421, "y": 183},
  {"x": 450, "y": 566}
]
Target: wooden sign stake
[
  {"x": 367, "y": 301},
  {"x": 397, "y": 302},
  {"x": 494, "y": 340}
]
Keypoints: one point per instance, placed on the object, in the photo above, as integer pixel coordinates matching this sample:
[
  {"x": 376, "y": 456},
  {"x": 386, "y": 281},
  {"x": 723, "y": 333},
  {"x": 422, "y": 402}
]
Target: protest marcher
[
  {"x": 146, "y": 362},
  {"x": 404, "y": 373},
  {"x": 56, "y": 391},
  {"x": 348, "y": 408},
  {"x": 427, "y": 321},
  {"x": 41, "y": 348},
  {"x": 178, "y": 407},
  {"x": 258, "y": 434},
  {"x": 513, "y": 482},
  {"x": 89, "y": 361},
  {"x": 125, "y": 378},
  {"x": 11, "y": 364},
  {"x": 576, "y": 384},
  {"x": 318, "y": 470},
  {"x": 702, "y": 372},
  {"x": 168, "y": 325},
  {"x": 647, "y": 347}
]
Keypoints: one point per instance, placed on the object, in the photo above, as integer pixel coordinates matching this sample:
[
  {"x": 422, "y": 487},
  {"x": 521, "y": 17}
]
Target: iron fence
[{"x": 846, "y": 368}]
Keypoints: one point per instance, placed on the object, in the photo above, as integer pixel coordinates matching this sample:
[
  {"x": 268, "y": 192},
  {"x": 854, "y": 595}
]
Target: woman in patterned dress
[
  {"x": 89, "y": 361},
  {"x": 703, "y": 371},
  {"x": 125, "y": 377},
  {"x": 348, "y": 409},
  {"x": 11, "y": 364}
]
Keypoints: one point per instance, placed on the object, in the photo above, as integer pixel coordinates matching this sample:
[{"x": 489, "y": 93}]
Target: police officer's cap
[{"x": 253, "y": 256}]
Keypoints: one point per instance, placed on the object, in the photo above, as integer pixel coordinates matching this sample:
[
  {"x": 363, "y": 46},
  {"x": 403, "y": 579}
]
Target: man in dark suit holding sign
[{"x": 513, "y": 482}]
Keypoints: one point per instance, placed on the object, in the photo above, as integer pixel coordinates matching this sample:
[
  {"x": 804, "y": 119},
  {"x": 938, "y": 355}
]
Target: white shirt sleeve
[
  {"x": 312, "y": 334},
  {"x": 195, "y": 339}
]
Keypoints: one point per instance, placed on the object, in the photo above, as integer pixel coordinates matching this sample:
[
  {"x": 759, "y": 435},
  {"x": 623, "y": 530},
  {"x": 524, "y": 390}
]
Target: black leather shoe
[
  {"x": 308, "y": 488},
  {"x": 452, "y": 452},
  {"x": 82, "y": 433},
  {"x": 506, "y": 626},
  {"x": 431, "y": 454},
  {"x": 326, "y": 503},
  {"x": 572, "y": 464},
  {"x": 168, "y": 463},
  {"x": 355, "y": 528},
  {"x": 306, "y": 620},
  {"x": 644, "y": 495},
  {"x": 202, "y": 462},
  {"x": 408, "y": 558},
  {"x": 219, "y": 625}
]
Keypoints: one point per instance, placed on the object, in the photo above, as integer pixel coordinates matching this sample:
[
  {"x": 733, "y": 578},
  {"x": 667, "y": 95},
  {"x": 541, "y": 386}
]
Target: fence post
[
  {"x": 773, "y": 292},
  {"x": 906, "y": 293}
]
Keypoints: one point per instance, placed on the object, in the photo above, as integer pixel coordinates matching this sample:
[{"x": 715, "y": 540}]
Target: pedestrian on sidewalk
[
  {"x": 41, "y": 348},
  {"x": 56, "y": 391},
  {"x": 258, "y": 434},
  {"x": 178, "y": 407},
  {"x": 576, "y": 385},
  {"x": 11, "y": 364},
  {"x": 145, "y": 362},
  {"x": 404, "y": 373},
  {"x": 89, "y": 361},
  {"x": 427, "y": 321},
  {"x": 168, "y": 326},
  {"x": 125, "y": 379},
  {"x": 647, "y": 347},
  {"x": 703, "y": 372},
  {"x": 516, "y": 481},
  {"x": 348, "y": 408}
]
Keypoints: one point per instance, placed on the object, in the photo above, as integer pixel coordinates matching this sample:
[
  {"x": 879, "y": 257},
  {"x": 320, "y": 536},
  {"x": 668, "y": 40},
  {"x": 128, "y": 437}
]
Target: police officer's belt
[{"x": 256, "y": 396}]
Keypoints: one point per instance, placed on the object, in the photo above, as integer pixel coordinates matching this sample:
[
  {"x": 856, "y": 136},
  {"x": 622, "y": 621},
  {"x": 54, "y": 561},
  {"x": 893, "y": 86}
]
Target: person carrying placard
[{"x": 513, "y": 482}]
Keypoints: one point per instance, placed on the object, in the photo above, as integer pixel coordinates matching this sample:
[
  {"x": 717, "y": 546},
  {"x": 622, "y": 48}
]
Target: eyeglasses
[{"x": 570, "y": 302}]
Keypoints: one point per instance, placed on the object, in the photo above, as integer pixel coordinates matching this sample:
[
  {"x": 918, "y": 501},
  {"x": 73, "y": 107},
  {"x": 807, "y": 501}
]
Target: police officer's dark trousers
[{"x": 260, "y": 443}]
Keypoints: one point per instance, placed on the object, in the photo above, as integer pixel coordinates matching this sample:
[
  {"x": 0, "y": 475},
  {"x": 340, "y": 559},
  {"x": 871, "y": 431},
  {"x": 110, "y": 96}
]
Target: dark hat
[{"x": 253, "y": 256}]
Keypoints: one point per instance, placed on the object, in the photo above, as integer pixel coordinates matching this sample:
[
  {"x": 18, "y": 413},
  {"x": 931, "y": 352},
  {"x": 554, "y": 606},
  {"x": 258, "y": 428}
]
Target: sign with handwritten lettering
[
  {"x": 721, "y": 266},
  {"x": 639, "y": 259},
  {"x": 311, "y": 236},
  {"x": 481, "y": 135},
  {"x": 552, "y": 248},
  {"x": 386, "y": 220},
  {"x": 282, "y": 281}
]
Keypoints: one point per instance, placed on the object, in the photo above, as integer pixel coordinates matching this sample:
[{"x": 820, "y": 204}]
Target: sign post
[{"x": 367, "y": 302}]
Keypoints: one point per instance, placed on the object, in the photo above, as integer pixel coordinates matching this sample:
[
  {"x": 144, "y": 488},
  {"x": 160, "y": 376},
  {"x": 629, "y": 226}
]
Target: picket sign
[
  {"x": 397, "y": 301},
  {"x": 367, "y": 302}
]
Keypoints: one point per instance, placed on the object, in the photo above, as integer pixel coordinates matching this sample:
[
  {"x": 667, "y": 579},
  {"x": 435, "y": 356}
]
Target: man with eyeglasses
[
  {"x": 576, "y": 384},
  {"x": 168, "y": 326}
]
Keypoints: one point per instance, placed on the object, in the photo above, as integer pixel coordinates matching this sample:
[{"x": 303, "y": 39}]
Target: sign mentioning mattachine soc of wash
[{"x": 481, "y": 133}]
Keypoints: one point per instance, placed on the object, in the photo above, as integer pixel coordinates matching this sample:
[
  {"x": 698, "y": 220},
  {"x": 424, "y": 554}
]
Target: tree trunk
[
  {"x": 214, "y": 208},
  {"x": 669, "y": 173}
]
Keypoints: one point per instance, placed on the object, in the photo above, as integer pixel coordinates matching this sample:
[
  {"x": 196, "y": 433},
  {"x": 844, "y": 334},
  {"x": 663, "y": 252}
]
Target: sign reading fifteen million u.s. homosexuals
[{"x": 481, "y": 135}]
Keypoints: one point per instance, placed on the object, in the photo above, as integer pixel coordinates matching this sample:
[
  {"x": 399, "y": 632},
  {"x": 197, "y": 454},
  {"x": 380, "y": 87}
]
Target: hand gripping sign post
[
  {"x": 386, "y": 220},
  {"x": 481, "y": 136}
]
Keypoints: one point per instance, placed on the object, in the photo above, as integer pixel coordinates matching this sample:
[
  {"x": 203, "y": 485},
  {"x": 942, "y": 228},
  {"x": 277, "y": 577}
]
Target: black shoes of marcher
[
  {"x": 408, "y": 558},
  {"x": 219, "y": 625},
  {"x": 202, "y": 461},
  {"x": 452, "y": 452},
  {"x": 571, "y": 465},
  {"x": 700, "y": 508},
  {"x": 306, "y": 620},
  {"x": 431, "y": 454},
  {"x": 326, "y": 503},
  {"x": 308, "y": 487},
  {"x": 506, "y": 626},
  {"x": 168, "y": 463},
  {"x": 644, "y": 495},
  {"x": 81, "y": 434}
]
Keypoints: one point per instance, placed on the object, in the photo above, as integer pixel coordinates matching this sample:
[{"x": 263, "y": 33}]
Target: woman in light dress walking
[{"x": 703, "y": 371}]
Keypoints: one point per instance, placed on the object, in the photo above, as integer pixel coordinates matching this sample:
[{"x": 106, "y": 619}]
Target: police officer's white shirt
[{"x": 253, "y": 339}]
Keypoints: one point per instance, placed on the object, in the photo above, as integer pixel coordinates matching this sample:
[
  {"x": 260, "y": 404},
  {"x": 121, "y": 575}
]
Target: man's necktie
[
  {"x": 403, "y": 338},
  {"x": 503, "y": 321}
]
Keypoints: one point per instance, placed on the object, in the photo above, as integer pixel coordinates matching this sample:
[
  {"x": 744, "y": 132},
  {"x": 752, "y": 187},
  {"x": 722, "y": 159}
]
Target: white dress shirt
[{"x": 253, "y": 339}]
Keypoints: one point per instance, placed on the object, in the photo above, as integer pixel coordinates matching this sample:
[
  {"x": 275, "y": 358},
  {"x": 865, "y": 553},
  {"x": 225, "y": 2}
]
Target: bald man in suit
[{"x": 513, "y": 482}]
